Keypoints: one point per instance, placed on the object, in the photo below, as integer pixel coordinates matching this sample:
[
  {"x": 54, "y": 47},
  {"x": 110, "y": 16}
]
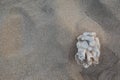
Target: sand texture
[{"x": 38, "y": 37}]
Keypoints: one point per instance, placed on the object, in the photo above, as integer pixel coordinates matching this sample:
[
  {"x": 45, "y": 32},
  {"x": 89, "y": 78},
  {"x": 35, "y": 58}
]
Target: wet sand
[{"x": 38, "y": 37}]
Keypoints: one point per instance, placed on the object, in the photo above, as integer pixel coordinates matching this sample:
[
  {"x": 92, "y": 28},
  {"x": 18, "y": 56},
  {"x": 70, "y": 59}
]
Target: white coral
[{"x": 88, "y": 49}]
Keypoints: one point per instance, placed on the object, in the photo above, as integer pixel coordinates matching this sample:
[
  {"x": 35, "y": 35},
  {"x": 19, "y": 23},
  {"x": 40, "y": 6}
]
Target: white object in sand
[{"x": 88, "y": 46}]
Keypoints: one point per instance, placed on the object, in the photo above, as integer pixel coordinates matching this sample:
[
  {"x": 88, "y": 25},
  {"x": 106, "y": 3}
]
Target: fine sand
[{"x": 38, "y": 37}]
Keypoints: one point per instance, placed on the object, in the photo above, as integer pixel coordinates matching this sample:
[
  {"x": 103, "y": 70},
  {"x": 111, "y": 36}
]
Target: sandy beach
[{"x": 38, "y": 39}]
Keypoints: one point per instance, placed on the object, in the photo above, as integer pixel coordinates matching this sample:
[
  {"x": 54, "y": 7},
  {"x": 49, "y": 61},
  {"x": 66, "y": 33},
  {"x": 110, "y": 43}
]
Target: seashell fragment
[
  {"x": 89, "y": 34},
  {"x": 88, "y": 49},
  {"x": 82, "y": 44},
  {"x": 88, "y": 38},
  {"x": 97, "y": 42},
  {"x": 92, "y": 43}
]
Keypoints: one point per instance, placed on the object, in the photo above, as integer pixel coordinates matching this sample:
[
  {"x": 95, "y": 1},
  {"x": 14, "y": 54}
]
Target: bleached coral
[{"x": 88, "y": 49}]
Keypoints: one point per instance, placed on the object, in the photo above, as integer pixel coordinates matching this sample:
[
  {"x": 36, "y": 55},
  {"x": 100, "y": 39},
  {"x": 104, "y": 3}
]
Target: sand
[{"x": 38, "y": 37}]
